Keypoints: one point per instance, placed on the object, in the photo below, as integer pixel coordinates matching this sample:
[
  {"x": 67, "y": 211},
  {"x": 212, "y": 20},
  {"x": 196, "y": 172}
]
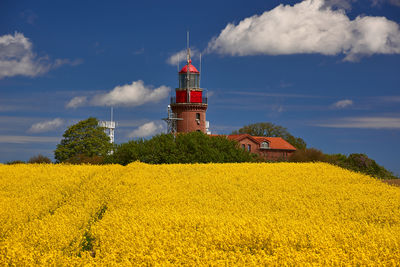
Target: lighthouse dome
[{"x": 192, "y": 69}]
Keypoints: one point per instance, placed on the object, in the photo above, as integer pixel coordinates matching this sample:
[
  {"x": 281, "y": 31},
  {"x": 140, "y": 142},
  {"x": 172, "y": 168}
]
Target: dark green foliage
[
  {"x": 337, "y": 159},
  {"x": 84, "y": 140},
  {"x": 83, "y": 159},
  {"x": 355, "y": 162},
  {"x": 15, "y": 162},
  {"x": 39, "y": 159},
  {"x": 271, "y": 130},
  {"x": 192, "y": 147},
  {"x": 87, "y": 242},
  {"x": 308, "y": 155},
  {"x": 361, "y": 163},
  {"x": 125, "y": 153}
]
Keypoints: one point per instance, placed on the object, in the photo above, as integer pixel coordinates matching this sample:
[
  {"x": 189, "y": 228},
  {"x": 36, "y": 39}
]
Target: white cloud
[
  {"x": 77, "y": 101},
  {"x": 343, "y": 103},
  {"x": 46, "y": 126},
  {"x": 147, "y": 129},
  {"x": 17, "y": 58},
  {"x": 180, "y": 56},
  {"x": 131, "y": 123},
  {"x": 134, "y": 94},
  {"x": 17, "y": 139},
  {"x": 308, "y": 27},
  {"x": 59, "y": 62},
  {"x": 364, "y": 123}
]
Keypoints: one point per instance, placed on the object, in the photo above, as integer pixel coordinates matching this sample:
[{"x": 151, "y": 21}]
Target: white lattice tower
[{"x": 109, "y": 127}]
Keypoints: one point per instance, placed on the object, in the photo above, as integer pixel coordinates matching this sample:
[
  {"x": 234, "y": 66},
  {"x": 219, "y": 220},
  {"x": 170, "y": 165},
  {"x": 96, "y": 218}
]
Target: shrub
[
  {"x": 308, "y": 155},
  {"x": 39, "y": 159},
  {"x": 194, "y": 147},
  {"x": 15, "y": 162},
  {"x": 337, "y": 159},
  {"x": 362, "y": 163}
]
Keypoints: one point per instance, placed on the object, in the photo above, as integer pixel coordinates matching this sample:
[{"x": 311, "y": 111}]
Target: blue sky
[{"x": 326, "y": 70}]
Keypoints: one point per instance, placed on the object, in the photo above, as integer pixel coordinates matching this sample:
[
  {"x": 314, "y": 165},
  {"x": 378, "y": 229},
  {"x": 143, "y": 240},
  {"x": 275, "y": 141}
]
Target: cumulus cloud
[
  {"x": 77, "y": 101},
  {"x": 59, "y": 62},
  {"x": 364, "y": 123},
  {"x": 46, "y": 126},
  {"x": 343, "y": 103},
  {"x": 180, "y": 56},
  {"x": 17, "y": 58},
  {"x": 311, "y": 26},
  {"x": 134, "y": 94},
  {"x": 147, "y": 129}
]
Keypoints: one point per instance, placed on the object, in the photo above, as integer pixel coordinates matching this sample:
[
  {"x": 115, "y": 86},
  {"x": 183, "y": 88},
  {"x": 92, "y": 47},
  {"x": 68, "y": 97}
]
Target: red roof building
[{"x": 270, "y": 148}]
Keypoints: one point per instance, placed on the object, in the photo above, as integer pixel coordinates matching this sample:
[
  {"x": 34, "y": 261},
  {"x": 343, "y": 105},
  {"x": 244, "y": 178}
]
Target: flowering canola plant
[{"x": 196, "y": 214}]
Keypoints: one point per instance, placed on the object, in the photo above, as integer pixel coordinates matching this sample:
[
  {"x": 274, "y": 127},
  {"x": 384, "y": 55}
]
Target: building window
[
  {"x": 249, "y": 148},
  {"x": 264, "y": 145},
  {"x": 197, "y": 116},
  {"x": 243, "y": 146}
]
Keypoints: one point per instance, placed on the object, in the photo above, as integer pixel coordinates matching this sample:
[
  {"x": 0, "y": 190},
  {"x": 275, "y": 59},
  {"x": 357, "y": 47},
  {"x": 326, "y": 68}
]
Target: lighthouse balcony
[{"x": 194, "y": 100}]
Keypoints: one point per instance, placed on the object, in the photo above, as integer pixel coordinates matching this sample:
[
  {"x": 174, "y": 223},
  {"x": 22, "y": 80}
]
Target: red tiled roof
[
  {"x": 274, "y": 142},
  {"x": 238, "y": 137}
]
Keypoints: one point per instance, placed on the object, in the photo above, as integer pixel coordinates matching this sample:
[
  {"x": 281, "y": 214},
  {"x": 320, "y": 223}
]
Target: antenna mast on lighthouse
[{"x": 188, "y": 61}]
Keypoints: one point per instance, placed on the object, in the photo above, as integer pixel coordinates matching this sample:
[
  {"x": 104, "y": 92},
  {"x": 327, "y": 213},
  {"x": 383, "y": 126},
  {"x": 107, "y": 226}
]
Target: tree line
[{"x": 86, "y": 142}]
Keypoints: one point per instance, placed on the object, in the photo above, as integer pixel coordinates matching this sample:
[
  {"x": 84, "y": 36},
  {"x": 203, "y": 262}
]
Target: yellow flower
[{"x": 221, "y": 214}]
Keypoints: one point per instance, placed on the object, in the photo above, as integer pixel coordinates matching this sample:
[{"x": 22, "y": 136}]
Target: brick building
[{"x": 270, "y": 148}]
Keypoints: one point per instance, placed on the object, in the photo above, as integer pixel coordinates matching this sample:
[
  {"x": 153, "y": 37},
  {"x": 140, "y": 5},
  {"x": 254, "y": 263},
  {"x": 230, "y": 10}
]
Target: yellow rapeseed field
[{"x": 201, "y": 214}]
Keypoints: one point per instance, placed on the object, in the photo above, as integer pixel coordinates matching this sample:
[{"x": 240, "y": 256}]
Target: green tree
[
  {"x": 125, "y": 153},
  {"x": 271, "y": 130},
  {"x": 82, "y": 142}
]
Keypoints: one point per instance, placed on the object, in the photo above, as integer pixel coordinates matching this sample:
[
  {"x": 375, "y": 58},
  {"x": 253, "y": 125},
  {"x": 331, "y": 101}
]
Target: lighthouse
[{"x": 187, "y": 110}]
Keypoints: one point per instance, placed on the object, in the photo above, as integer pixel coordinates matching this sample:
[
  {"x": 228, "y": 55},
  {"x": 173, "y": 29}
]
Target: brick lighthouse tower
[{"x": 188, "y": 107}]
